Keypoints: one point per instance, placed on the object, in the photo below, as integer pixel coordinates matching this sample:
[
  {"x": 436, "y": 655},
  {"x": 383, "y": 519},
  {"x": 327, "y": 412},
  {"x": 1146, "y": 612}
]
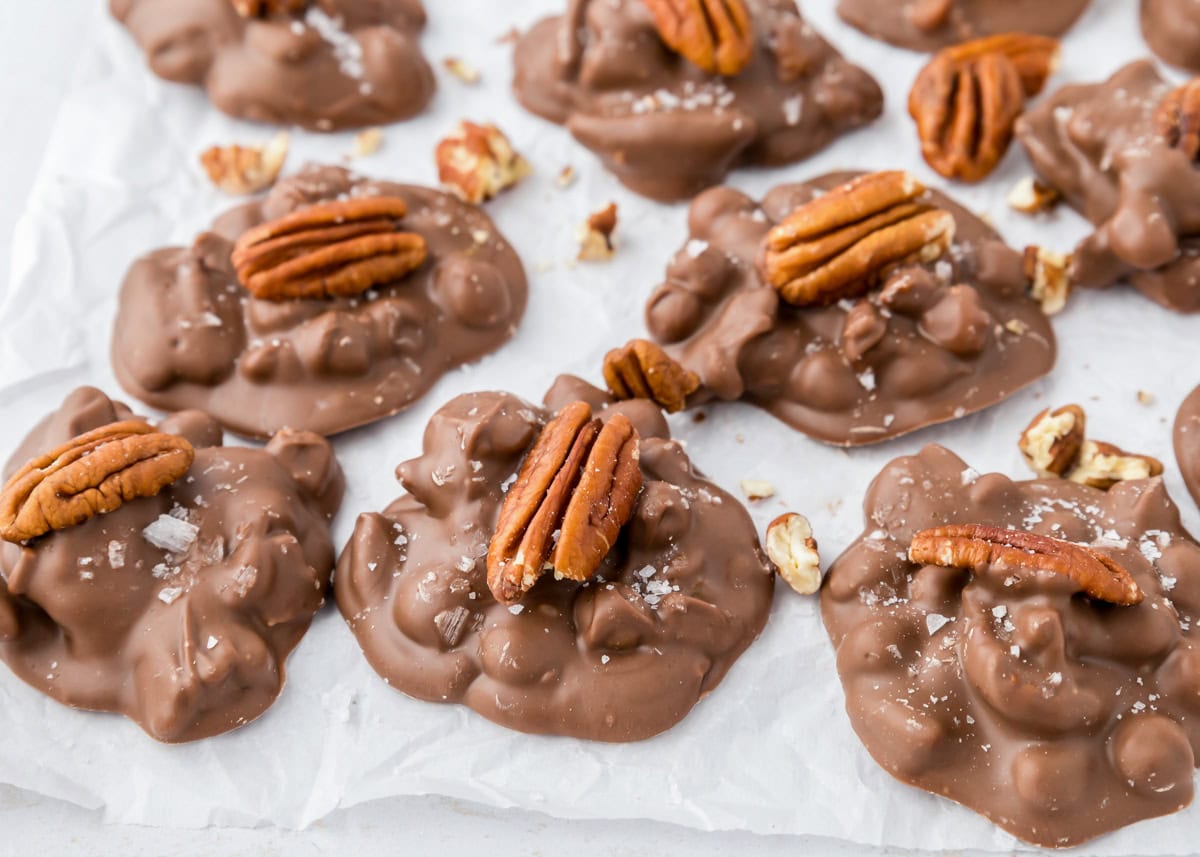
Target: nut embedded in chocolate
[
  {"x": 90, "y": 475},
  {"x": 575, "y": 492},
  {"x": 839, "y": 244},
  {"x": 327, "y": 250},
  {"x": 967, "y": 99},
  {"x": 642, "y": 370},
  {"x": 715, "y": 35}
]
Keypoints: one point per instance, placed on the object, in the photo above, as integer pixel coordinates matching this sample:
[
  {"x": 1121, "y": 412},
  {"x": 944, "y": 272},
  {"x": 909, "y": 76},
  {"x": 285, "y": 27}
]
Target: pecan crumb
[
  {"x": 368, "y": 142},
  {"x": 243, "y": 170},
  {"x": 566, "y": 177},
  {"x": 1031, "y": 196},
  {"x": 462, "y": 70},
  {"x": 596, "y": 235},
  {"x": 1145, "y": 397},
  {"x": 757, "y": 489}
]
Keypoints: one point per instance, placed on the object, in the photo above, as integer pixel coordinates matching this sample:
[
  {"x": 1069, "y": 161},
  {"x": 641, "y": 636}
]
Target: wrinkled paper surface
[{"x": 771, "y": 750}]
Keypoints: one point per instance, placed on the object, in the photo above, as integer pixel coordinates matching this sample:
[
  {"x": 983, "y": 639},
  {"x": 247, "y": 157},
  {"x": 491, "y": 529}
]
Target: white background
[{"x": 39, "y": 43}]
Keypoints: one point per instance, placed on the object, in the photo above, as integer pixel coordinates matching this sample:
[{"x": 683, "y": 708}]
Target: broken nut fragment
[
  {"x": 596, "y": 235},
  {"x": 90, "y": 475},
  {"x": 367, "y": 142},
  {"x": 243, "y": 170},
  {"x": 576, "y": 490},
  {"x": 793, "y": 550},
  {"x": 328, "y": 250},
  {"x": 966, "y": 101},
  {"x": 1031, "y": 196},
  {"x": 842, "y": 243},
  {"x": 477, "y": 162},
  {"x": 715, "y": 35},
  {"x": 1178, "y": 118},
  {"x": 1056, "y": 444},
  {"x": 757, "y": 489},
  {"x": 462, "y": 70},
  {"x": 977, "y": 547},
  {"x": 265, "y": 8},
  {"x": 1049, "y": 279},
  {"x": 640, "y": 369}
]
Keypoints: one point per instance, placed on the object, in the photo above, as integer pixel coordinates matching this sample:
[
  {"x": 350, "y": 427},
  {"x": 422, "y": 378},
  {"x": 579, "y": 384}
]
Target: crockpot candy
[
  {"x": 1187, "y": 442},
  {"x": 1027, "y": 649},
  {"x": 150, "y": 571},
  {"x": 1123, "y": 153},
  {"x": 559, "y": 569},
  {"x": 333, "y": 302},
  {"x": 853, "y": 308},
  {"x": 927, "y": 25},
  {"x": 1172, "y": 29},
  {"x": 673, "y": 95},
  {"x": 321, "y": 64}
]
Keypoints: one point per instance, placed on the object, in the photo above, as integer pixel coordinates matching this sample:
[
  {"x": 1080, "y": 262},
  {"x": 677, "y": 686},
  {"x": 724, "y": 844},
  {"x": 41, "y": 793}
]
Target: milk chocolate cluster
[
  {"x": 321, "y": 64},
  {"x": 1123, "y": 153},
  {"x": 151, "y": 571},
  {"x": 853, "y": 308},
  {"x": 1172, "y": 29},
  {"x": 927, "y": 25},
  {"x": 1187, "y": 442},
  {"x": 559, "y": 569},
  {"x": 672, "y": 96},
  {"x": 1027, "y": 649},
  {"x": 333, "y": 302}
]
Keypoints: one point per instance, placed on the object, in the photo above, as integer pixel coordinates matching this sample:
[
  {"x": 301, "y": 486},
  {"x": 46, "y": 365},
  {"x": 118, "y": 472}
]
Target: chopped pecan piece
[
  {"x": 596, "y": 235},
  {"x": 1031, "y": 196},
  {"x": 1103, "y": 465},
  {"x": 331, "y": 249},
  {"x": 476, "y": 162},
  {"x": 1178, "y": 118},
  {"x": 840, "y": 244},
  {"x": 1049, "y": 279},
  {"x": 575, "y": 491},
  {"x": 90, "y": 475},
  {"x": 243, "y": 170},
  {"x": 793, "y": 550},
  {"x": 265, "y": 8},
  {"x": 967, "y": 99},
  {"x": 1056, "y": 444},
  {"x": 642, "y": 370},
  {"x": 715, "y": 35},
  {"x": 977, "y": 547}
]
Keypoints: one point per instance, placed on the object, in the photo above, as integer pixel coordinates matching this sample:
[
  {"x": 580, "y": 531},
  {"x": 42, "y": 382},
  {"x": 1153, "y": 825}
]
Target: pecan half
[
  {"x": 641, "y": 370},
  {"x": 576, "y": 489},
  {"x": 1056, "y": 444},
  {"x": 976, "y": 547},
  {"x": 89, "y": 475},
  {"x": 967, "y": 99},
  {"x": 1177, "y": 118},
  {"x": 840, "y": 244},
  {"x": 331, "y": 249},
  {"x": 266, "y": 8},
  {"x": 715, "y": 35}
]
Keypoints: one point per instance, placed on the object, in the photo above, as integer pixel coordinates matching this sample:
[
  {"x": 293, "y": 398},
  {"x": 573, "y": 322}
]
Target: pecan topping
[
  {"x": 715, "y": 35},
  {"x": 840, "y": 244},
  {"x": 975, "y": 547},
  {"x": 89, "y": 475},
  {"x": 575, "y": 491},
  {"x": 328, "y": 250},
  {"x": 967, "y": 99},
  {"x": 1178, "y": 118},
  {"x": 641, "y": 370},
  {"x": 1056, "y": 444},
  {"x": 266, "y": 8}
]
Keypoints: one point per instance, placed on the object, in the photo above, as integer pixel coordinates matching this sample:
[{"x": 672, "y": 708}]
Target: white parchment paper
[{"x": 771, "y": 750}]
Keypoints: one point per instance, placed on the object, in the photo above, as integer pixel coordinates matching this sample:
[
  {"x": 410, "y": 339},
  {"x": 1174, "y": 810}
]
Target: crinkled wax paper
[{"x": 771, "y": 750}]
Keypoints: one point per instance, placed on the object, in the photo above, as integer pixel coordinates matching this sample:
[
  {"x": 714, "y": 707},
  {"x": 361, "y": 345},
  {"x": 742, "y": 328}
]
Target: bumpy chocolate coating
[
  {"x": 187, "y": 644},
  {"x": 340, "y": 64},
  {"x": 927, "y": 25},
  {"x": 187, "y": 335},
  {"x": 622, "y": 657},
  {"x": 937, "y": 342},
  {"x": 666, "y": 128},
  {"x": 1172, "y": 29},
  {"x": 1009, "y": 691},
  {"x": 1187, "y": 442},
  {"x": 1098, "y": 145}
]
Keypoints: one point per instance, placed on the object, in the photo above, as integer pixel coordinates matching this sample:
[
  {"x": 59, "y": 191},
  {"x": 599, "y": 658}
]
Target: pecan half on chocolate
[
  {"x": 976, "y": 547},
  {"x": 89, "y": 475},
  {"x": 576, "y": 489},
  {"x": 266, "y": 8},
  {"x": 715, "y": 35},
  {"x": 967, "y": 99},
  {"x": 641, "y": 370},
  {"x": 840, "y": 244},
  {"x": 1177, "y": 118},
  {"x": 327, "y": 250}
]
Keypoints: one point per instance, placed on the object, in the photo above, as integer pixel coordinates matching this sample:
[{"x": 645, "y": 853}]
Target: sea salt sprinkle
[{"x": 169, "y": 533}]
